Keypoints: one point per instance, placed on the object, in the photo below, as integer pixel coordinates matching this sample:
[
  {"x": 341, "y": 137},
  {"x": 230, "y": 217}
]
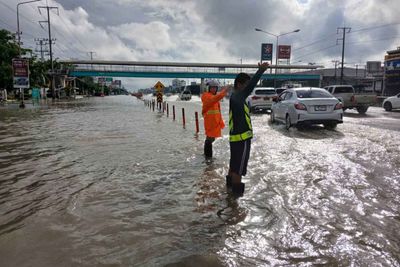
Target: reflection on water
[{"x": 106, "y": 181}]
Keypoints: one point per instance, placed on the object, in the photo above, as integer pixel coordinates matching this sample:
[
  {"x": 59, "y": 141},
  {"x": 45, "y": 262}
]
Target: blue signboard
[{"x": 266, "y": 51}]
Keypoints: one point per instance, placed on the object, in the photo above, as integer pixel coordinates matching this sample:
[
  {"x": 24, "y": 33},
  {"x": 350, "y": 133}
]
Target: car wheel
[
  {"x": 387, "y": 106},
  {"x": 330, "y": 125},
  {"x": 362, "y": 109},
  {"x": 288, "y": 123},
  {"x": 272, "y": 116}
]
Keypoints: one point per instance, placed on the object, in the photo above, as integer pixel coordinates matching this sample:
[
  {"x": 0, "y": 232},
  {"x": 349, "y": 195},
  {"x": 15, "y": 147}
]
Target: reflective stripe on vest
[
  {"x": 241, "y": 137},
  {"x": 245, "y": 135}
]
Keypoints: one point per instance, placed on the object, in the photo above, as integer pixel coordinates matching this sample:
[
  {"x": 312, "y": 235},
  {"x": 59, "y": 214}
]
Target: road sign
[
  {"x": 159, "y": 97},
  {"x": 266, "y": 51},
  {"x": 284, "y": 51},
  {"x": 159, "y": 86},
  {"x": 20, "y": 72}
]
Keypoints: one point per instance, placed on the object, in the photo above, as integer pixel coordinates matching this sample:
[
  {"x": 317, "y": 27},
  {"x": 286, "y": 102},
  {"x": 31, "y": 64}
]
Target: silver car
[{"x": 307, "y": 105}]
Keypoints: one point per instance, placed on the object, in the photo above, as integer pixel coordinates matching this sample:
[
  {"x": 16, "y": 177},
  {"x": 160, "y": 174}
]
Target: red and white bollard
[
  {"x": 196, "y": 115},
  {"x": 183, "y": 117}
]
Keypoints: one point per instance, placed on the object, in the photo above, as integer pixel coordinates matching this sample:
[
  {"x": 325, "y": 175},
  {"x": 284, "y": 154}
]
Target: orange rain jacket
[{"x": 213, "y": 122}]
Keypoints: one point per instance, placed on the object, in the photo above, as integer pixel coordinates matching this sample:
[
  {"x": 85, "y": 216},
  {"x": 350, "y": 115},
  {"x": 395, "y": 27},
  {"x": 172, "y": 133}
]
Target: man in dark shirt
[{"x": 240, "y": 128}]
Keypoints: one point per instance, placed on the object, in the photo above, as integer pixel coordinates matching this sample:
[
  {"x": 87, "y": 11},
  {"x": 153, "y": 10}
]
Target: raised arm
[
  {"x": 208, "y": 102},
  {"x": 262, "y": 67}
]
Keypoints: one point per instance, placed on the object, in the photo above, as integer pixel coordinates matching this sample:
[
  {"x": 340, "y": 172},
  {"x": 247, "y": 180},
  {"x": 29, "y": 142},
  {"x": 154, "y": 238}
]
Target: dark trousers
[{"x": 208, "y": 146}]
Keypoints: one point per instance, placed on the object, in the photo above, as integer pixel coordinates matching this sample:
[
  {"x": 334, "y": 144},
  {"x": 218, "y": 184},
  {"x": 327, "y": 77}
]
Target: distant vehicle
[
  {"x": 261, "y": 98},
  {"x": 193, "y": 88},
  {"x": 307, "y": 106},
  {"x": 350, "y": 99},
  {"x": 392, "y": 102},
  {"x": 185, "y": 95}
]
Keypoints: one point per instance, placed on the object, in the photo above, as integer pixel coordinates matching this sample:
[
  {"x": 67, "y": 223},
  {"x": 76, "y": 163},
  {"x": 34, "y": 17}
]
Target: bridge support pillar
[{"x": 202, "y": 85}]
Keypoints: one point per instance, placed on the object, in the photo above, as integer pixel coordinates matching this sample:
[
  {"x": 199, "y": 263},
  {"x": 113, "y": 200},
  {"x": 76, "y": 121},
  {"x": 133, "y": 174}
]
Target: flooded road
[{"x": 108, "y": 182}]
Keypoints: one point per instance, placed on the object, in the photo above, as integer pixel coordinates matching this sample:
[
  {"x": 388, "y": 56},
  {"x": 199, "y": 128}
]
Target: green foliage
[
  {"x": 39, "y": 70},
  {"x": 8, "y": 50}
]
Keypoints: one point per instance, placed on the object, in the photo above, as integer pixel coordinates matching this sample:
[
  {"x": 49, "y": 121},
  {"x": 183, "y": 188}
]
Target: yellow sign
[{"x": 159, "y": 86}]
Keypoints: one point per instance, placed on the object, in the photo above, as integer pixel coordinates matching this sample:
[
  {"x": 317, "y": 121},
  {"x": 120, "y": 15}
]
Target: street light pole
[
  {"x": 18, "y": 31},
  {"x": 277, "y": 43},
  {"x": 21, "y": 90}
]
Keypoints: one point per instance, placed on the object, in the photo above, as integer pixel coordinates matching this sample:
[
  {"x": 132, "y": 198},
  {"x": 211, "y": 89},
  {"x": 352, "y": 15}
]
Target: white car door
[
  {"x": 278, "y": 113},
  {"x": 396, "y": 101},
  {"x": 286, "y": 103}
]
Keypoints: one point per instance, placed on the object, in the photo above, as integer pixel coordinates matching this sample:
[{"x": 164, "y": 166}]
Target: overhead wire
[
  {"x": 374, "y": 27},
  {"x": 74, "y": 50}
]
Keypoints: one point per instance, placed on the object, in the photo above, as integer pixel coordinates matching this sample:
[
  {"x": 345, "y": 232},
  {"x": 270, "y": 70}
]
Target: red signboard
[
  {"x": 284, "y": 51},
  {"x": 20, "y": 72}
]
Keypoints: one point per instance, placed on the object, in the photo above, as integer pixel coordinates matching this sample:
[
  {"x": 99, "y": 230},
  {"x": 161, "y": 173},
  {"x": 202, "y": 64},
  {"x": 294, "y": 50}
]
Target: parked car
[
  {"x": 307, "y": 106},
  {"x": 261, "y": 98},
  {"x": 185, "y": 95},
  {"x": 350, "y": 99},
  {"x": 392, "y": 102}
]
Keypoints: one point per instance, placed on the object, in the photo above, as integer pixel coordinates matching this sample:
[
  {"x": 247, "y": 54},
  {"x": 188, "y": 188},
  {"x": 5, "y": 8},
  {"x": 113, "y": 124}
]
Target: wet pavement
[{"x": 108, "y": 182}]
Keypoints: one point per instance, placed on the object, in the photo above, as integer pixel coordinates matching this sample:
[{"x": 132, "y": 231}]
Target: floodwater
[{"x": 109, "y": 182}]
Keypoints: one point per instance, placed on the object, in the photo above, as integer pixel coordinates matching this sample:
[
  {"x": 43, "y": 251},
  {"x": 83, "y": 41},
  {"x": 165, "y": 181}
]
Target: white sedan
[
  {"x": 307, "y": 105},
  {"x": 392, "y": 102}
]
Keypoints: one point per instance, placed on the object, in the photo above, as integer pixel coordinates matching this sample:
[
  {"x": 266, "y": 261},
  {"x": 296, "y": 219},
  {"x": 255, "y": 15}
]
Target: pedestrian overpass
[{"x": 146, "y": 69}]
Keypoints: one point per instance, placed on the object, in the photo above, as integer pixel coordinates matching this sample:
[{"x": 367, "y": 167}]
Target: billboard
[
  {"x": 20, "y": 72},
  {"x": 284, "y": 51},
  {"x": 392, "y": 77},
  {"x": 373, "y": 66},
  {"x": 266, "y": 51}
]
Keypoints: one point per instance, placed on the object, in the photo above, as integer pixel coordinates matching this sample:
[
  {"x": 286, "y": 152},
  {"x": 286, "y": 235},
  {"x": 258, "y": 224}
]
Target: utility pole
[
  {"x": 48, "y": 8},
  {"x": 343, "y": 39},
  {"x": 42, "y": 42},
  {"x": 336, "y": 62},
  {"x": 91, "y": 55},
  {"x": 91, "y": 58}
]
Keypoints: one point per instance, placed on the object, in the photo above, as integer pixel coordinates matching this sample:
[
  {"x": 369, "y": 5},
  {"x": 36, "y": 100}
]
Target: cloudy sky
[{"x": 217, "y": 31}]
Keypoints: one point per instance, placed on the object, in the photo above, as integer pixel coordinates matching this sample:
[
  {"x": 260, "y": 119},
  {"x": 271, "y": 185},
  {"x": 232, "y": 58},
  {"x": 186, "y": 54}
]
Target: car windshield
[
  {"x": 265, "y": 92},
  {"x": 312, "y": 93},
  {"x": 344, "y": 89}
]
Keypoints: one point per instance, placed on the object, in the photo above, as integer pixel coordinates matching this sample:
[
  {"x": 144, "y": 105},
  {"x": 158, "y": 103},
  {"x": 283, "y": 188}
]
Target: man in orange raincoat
[{"x": 213, "y": 122}]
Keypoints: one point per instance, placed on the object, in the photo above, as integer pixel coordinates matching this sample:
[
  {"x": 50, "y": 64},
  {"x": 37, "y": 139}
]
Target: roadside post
[
  {"x": 196, "y": 115},
  {"x": 167, "y": 110},
  {"x": 183, "y": 117}
]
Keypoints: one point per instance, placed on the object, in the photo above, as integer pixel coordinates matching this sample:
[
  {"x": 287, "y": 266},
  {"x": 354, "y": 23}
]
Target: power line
[
  {"x": 374, "y": 40},
  {"x": 5, "y": 23},
  {"x": 72, "y": 47},
  {"x": 323, "y": 39},
  {"x": 317, "y": 51},
  {"x": 76, "y": 37},
  {"x": 375, "y": 27},
  {"x": 48, "y": 8}
]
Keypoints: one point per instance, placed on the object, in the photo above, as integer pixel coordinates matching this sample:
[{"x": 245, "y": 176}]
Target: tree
[{"x": 8, "y": 51}]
